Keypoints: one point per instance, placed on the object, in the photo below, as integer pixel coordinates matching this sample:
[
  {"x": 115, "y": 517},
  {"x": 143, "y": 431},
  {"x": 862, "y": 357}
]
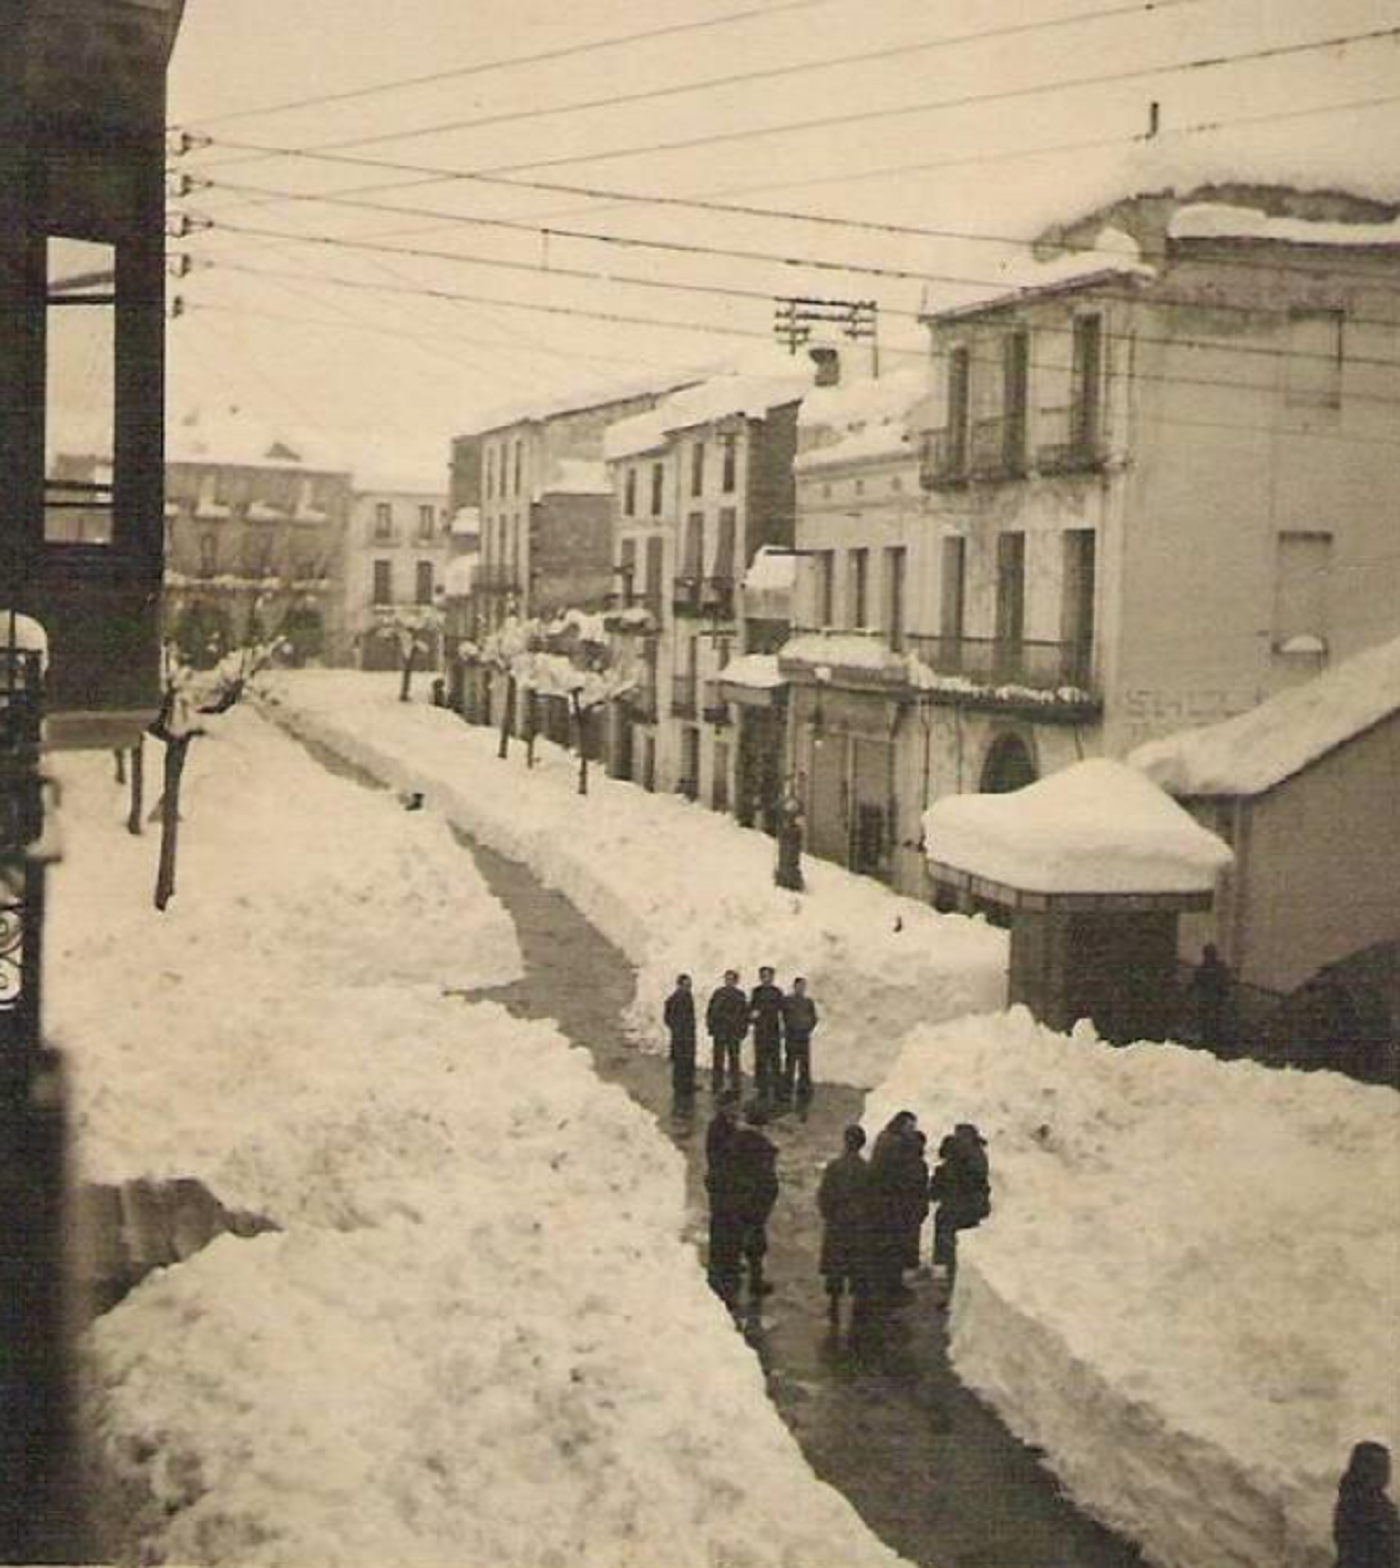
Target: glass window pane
[{"x": 80, "y": 392}]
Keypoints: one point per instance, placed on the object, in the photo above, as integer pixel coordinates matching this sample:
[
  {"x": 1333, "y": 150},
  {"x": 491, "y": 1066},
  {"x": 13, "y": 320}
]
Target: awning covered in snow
[
  {"x": 753, "y": 680},
  {"x": 1098, "y": 827}
]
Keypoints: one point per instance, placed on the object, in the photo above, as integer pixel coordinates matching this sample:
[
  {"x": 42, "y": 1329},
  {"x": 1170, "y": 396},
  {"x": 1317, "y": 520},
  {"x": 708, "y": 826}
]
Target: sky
[{"x": 1020, "y": 113}]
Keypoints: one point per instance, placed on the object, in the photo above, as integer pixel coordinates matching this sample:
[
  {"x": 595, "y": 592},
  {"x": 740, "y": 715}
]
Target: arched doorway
[{"x": 1009, "y": 766}]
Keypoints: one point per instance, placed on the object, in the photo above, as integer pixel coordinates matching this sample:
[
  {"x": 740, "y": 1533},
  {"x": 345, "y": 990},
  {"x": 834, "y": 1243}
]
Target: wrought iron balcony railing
[
  {"x": 1068, "y": 439},
  {"x": 998, "y": 447},
  {"x": 684, "y": 696},
  {"x": 497, "y": 578},
  {"x": 1004, "y": 661},
  {"x": 686, "y": 595},
  {"x": 943, "y": 458},
  {"x": 715, "y": 709},
  {"x": 717, "y": 597}
]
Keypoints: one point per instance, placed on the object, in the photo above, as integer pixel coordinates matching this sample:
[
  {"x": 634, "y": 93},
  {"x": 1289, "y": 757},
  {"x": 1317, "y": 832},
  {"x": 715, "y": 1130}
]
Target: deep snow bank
[
  {"x": 1188, "y": 1290},
  {"x": 478, "y": 1340},
  {"x": 676, "y": 886}
]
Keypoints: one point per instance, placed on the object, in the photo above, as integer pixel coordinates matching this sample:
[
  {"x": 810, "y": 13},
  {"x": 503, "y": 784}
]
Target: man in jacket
[
  {"x": 680, "y": 1022},
  {"x": 898, "y": 1205},
  {"x": 726, "y": 1230},
  {"x": 961, "y": 1187},
  {"x": 799, "y": 1020},
  {"x": 752, "y": 1177},
  {"x": 766, "y": 1016},
  {"x": 843, "y": 1199},
  {"x": 727, "y": 1019}
]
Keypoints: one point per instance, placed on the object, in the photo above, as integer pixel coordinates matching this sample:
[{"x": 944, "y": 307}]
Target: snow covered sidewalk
[
  {"x": 1188, "y": 1289},
  {"x": 676, "y": 886},
  {"x": 478, "y": 1339}
]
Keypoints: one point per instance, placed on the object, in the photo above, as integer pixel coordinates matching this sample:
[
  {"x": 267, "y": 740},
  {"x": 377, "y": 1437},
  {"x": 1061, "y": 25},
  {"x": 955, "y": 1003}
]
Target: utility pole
[{"x": 856, "y": 319}]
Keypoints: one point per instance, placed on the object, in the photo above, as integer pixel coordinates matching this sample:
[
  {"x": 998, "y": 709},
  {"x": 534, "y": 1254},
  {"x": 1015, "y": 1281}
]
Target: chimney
[{"x": 828, "y": 363}]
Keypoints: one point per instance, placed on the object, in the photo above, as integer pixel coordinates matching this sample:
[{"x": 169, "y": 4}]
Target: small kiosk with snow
[{"x": 1094, "y": 865}]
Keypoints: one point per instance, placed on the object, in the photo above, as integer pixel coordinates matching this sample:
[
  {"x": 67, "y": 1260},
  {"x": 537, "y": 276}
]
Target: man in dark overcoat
[
  {"x": 899, "y": 1204},
  {"x": 727, "y": 1020},
  {"x": 752, "y": 1168},
  {"x": 843, "y": 1199},
  {"x": 680, "y": 1023},
  {"x": 799, "y": 1022},
  {"x": 766, "y": 1018}
]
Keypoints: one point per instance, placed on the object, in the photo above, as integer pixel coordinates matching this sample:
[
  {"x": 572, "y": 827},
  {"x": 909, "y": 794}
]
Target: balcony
[
  {"x": 998, "y": 447},
  {"x": 1007, "y": 672},
  {"x": 686, "y": 595},
  {"x": 943, "y": 459},
  {"x": 1069, "y": 439},
  {"x": 717, "y": 597},
  {"x": 684, "y": 696},
  {"x": 496, "y": 578},
  {"x": 715, "y": 710}
]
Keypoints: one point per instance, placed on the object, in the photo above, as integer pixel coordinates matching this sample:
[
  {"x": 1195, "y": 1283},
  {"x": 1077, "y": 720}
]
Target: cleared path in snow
[{"x": 930, "y": 1468}]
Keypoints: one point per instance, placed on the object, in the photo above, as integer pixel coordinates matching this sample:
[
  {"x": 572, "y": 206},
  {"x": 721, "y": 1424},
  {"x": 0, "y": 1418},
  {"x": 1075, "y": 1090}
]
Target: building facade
[
  {"x": 1159, "y": 483},
  {"x": 394, "y": 566}
]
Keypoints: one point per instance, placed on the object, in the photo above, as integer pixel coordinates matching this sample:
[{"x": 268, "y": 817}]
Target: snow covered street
[{"x": 448, "y": 1352}]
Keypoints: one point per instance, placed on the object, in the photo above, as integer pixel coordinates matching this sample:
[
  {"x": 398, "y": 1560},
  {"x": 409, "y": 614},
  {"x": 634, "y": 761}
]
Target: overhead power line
[
  {"x": 732, "y": 79},
  {"x": 967, "y": 100},
  {"x": 514, "y": 62}
]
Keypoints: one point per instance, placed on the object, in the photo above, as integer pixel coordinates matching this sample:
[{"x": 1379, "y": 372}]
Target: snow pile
[
  {"x": 459, "y": 575},
  {"x": 1188, "y": 1289},
  {"x": 23, "y": 634},
  {"x": 1095, "y": 827},
  {"x": 1254, "y": 751},
  {"x": 447, "y": 1355},
  {"x": 771, "y": 571},
  {"x": 676, "y": 886},
  {"x": 849, "y": 650},
  {"x": 756, "y": 670},
  {"x": 1218, "y": 221},
  {"x": 576, "y": 476},
  {"x": 1113, "y": 256},
  {"x": 859, "y": 420}
]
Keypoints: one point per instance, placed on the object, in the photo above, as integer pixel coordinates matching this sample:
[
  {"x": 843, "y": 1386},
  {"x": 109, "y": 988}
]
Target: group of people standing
[
  {"x": 782, "y": 1025},
  {"x": 873, "y": 1210}
]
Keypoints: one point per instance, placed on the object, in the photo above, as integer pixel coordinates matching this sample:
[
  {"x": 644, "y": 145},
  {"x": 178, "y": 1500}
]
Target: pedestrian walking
[
  {"x": 799, "y": 1023},
  {"x": 961, "y": 1187},
  {"x": 680, "y": 1021},
  {"x": 1364, "y": 1524},
  {"x": 898, "y": 1206},
  {"x": 722, "y": 1268},
  {"x": 727, "y": 1020},
  {"x": 766, "y": 1018},
  {"x": 1210, "y": 995},
  {"x": 843, "y": 1199},
  {"x": 752, "y": 1166}
]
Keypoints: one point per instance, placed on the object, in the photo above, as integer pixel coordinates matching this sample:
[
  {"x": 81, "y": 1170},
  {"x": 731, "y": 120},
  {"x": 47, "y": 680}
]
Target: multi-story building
[
  {"x": 394, "y": 561},
  {"x": 700, "y": 486},
  {"x": 1161, "y": 482},
  {"x": 254, "y": 540}
]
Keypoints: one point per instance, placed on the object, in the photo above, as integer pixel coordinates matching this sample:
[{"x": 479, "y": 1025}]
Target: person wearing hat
[
  {"x": 961, "y": 1187},
  {"x": 726, "y": 1230},
  {"x": 843, "y": 1199},
  {"x": 753, "y": 1175}
]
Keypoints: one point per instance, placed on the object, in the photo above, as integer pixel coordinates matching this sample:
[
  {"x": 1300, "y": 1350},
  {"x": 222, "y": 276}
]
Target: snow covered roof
[
  {"x": 1114, "y": 255},
  {"x": 771, "y": 571},
  {"x": 575, "y": 402},
  {"x": 1216, "y": 220},
  {"x": 577, "y": 476},
  {"x": 1096, "y": 827},
  {"x": 458, "y": 575},
  {"x": 758, "y": 670},
  {"x": 24, "y": 634},
  {"x": 631, "y": 437},
  {"x": 860, "y": 419},
  {"x": 1256, "y": 750},
  {"x": 466, "y": 520},
  {"x": 235, "y": 436},
  {"x": 846, "y": 650}
]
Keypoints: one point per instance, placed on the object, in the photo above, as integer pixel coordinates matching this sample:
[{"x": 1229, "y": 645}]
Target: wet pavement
[{"x": 930, "y": 1468}]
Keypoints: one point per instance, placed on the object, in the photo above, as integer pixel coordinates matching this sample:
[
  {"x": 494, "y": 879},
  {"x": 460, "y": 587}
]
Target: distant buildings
[{"x": 394, "y": 561}]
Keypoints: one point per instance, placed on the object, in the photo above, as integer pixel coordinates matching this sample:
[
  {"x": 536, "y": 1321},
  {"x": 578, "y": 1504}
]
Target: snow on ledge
[
  {"x": 25, "y": 635},
  {"x": 757, "y": 670},
  {"x": 1096, "y": 827},
  {"x": 1218, "y": 221},
  {"x": 1258, "y": 749}
]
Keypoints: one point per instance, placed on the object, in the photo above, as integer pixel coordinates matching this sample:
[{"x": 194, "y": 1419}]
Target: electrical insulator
[
  {"x": 178, "y": 143},
  {"x": 174, "y": 307},
  {"x": 180, "y": 225},
  {"x": 178, "y": 265},
  {"x": 182, "y": 184}
]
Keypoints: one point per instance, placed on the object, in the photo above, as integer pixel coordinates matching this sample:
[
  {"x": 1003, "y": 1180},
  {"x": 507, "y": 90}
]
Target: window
[
  {"x": 894, "y": 596},
  {"x": 952, "y": 589},
  {"x": 857, "y": 585},
  {"x": 629, "y": 493},
  {"x": 1087, "y": 368},
  {"x": 724, "y": 544},
  {"x": 1077, "y": 604},
  {"x": 383, "y": 520},
  {"x": 490, "y": 472},
  {"x": 1314, "y": 360},
  {"x": 1011, "y": 587},
  {"x": 694, "y": 563},
  {"x": 959, "y": 373},
  {"x": 627, "y": 569},
  {"x": 897, "y": 483},
  {"x": 697, "y": 468},
  {"x": 383, "y": 582},
  {"x": 519, "y": 462},
  {"x": 80, "y": 389},
  {"x": 655, "y": 555},
  {"x": 658, "y": 488},
  {"x": 1302, "y": 573},
  {"x": 1015, "y": 366},
  {"x": 208, "y": 554},
  {"x": 729, "y": 476},
  {"x": 423, "y": 582},
  {"x": 826, "y": 588},
  {"x": 427, "y": 522}
]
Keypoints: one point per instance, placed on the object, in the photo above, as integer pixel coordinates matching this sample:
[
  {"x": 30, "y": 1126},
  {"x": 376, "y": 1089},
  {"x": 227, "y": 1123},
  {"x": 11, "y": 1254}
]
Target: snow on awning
[
  {"x": 1098, "y": 827},
  {"x": 1256, "y": 750},
  {"x": 753, "y": 680},
  {"x": 458, "y": 576}
]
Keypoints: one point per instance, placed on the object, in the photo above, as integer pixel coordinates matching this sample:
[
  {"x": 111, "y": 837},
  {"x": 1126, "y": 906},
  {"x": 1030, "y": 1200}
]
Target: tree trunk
[
  {"x": 409, "y": 664},
  {"x": 176, "y": 749},
  {"x": 580, "y": 721},
  {"x": 507, "y": 717},
  {"x": 532, "y": 725},
  {"x": 120, "y": 755},
  {"x": 133, "y": 821}
]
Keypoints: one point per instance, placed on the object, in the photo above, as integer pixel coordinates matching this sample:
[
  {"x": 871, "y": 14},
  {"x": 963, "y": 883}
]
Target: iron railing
[
  {"x": 1005, "y": 661},
  {"x": 714, "y": 708},
  {"x": 684, "y": 696},
  {"x": 1068, "y": 439}
]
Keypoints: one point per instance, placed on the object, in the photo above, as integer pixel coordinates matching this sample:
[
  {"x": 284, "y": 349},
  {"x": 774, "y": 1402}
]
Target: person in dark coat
[
  {"x": 898, "y": 1205},
  {"x": 1364, "y": 1525},
  {"x": 680, "y": 1021},
  {"x": 727, "y": 1020},
  {"x": 961, "y": 1187},
  {"x": 1210, "y": 993},
  {"x": 726, "y": 1230},
  {"x": 752, "y": 1167},
  {"x": 843, "y": 1201},
  {"x": 799, "y": 1022},
  {"x": 766, "y": 1017}
]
